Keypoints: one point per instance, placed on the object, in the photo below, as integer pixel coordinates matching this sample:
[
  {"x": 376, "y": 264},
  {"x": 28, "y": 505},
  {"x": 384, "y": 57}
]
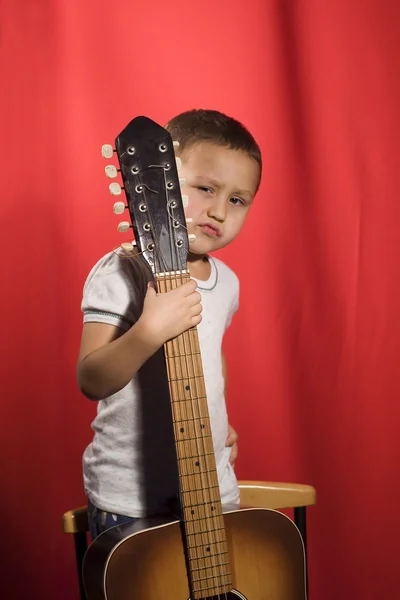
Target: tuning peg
[
  {"x": 178, "y": 162},
  {"x": 176, "y": 144},
  {"x": 182, "y": 182},
  {"x": 123, "y": 226},
  {"x": 119, "y": 208},
  {"x": 111, "y": 171},
  {"x": 192, "y": 237},
  {"x": 107, "y": 151},
  {"x": 185, "y": 200},
  {"x": 115, "y": 189},
  {"x": 128, "y": 246},
  {"x": 189, "y": 220}
]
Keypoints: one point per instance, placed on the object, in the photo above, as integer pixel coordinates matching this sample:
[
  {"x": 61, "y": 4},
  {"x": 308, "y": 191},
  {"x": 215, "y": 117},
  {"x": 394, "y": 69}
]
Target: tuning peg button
[
  {"x": 185, "y": 200},
  {"x": 119, "y": 208},
  {"x": 176, "y": 144},
  {"x": 123, "y": 226},
  {"x": 128, "y": 246},
  {"x": 107, "y": 151},
  {"x": 192, "y": 237},
  {"x": 178, "y": 162},
  {"x": 189, "y": 220},
  {"x": 115, "y": 189},
  {"x": 182, "y": 182},
  {"x": 111, "y": 171}
]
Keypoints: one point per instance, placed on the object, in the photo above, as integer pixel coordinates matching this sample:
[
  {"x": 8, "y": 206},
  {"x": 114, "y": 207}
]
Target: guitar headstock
[{"x": 151, "y": 184}]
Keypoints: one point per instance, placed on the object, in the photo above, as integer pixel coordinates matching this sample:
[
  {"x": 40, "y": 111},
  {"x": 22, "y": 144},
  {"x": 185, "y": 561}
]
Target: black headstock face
[{"x": 150, "y": 178}]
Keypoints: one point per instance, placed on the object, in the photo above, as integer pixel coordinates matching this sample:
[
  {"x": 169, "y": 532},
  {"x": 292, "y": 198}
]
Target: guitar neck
[{"x": 200, "y": 496}]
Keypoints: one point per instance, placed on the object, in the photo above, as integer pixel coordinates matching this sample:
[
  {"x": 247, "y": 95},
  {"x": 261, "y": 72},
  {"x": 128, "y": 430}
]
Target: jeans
[{"x": 100, "y": 520}]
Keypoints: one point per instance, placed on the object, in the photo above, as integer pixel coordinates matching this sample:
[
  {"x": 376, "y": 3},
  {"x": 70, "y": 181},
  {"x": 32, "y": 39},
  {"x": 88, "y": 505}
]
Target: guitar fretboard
[{"x": 206, "y": 544}]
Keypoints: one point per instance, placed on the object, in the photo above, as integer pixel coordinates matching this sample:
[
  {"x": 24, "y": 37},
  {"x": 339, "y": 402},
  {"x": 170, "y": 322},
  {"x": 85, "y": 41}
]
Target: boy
[{"x": 130, "y": 466}]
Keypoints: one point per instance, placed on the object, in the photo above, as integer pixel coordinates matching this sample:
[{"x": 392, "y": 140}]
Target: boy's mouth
[{"x": 210, "y": 229}]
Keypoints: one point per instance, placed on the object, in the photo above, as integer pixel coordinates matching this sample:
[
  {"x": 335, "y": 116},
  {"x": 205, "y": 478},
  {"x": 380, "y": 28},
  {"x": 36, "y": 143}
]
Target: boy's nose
[{"x": 217, "y": 209}]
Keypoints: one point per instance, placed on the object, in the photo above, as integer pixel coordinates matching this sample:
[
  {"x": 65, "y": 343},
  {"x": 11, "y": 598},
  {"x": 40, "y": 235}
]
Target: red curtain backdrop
[{"x": 314, "y": 376}]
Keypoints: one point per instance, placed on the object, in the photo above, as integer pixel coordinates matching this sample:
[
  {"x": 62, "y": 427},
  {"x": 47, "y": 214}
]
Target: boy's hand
[
  {"x": 231, "y": 442},
  {"x": 169, "y": 314}
]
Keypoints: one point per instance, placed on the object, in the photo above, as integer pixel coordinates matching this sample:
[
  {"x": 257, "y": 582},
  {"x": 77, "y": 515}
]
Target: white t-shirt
[{"x": 130, "y": 466}]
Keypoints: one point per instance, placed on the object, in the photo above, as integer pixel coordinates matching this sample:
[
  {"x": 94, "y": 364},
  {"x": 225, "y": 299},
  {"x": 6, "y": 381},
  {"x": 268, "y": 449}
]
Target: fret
[
  {"x": 188, "y": 486},
  {"x": 177, "y": 354},
  {"x": 205, "y": 531},
  {"x": 188, "y": 447},
  {"x": 180, "y": 420},
  {"x": 209, "y": 556},
  {"x": 187, "y": 341},
  {"x": 212, "y": 501},
  {"x": 221, "y": 588},
  {"x": 182, "y": 458},
  {"x": 206, "y": 474},
  {"x": 200, "y": 480},
  {"x": 203, "y": 543},
  {"x": 207, "y": 536},
  {"x": 201, "y": 518},
  {"x": 217, "y": 566},
  {"x": 180, "y": 367},
  {"x": 193, "y": 438},
  {"x": 188, "y": 400},
  {"x": 191, "y": 409},
  {"x": 176, "y": 276},
  {"x": 200, "y": 495},
  {"x": 190, "y": 519},
  {"x": 207, "y": 578},
  {"x": 198, "y": 473},
  {"x": 200, "y": 489},
  {"x": 187, "y": 380}
]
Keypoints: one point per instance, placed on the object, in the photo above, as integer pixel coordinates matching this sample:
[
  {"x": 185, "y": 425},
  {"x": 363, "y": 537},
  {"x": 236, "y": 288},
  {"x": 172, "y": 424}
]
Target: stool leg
[
  {"x": 300, "y": 520},
  {"x": 80, "y": 541}
]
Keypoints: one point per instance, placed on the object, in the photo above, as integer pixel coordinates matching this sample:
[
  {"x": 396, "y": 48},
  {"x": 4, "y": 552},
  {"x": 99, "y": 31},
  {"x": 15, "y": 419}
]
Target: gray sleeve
[{"x": 110, "y": 293}]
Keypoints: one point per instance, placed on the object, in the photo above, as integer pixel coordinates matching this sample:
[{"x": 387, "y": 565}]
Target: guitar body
[{"x": 145, "y": 560}]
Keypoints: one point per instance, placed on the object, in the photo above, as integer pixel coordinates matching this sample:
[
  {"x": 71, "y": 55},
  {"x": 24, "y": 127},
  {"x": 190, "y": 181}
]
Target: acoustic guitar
[{"x": 212, "y": 552}]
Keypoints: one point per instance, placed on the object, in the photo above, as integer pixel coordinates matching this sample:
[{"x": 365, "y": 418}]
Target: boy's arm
[
  {"x": 231, "y": 440},
  {"x": 108, "y": 358}
]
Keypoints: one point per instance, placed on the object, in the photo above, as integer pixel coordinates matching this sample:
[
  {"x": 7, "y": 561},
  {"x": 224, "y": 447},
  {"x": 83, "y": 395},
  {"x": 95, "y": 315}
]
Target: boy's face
[{"x": 221, "y": 184}]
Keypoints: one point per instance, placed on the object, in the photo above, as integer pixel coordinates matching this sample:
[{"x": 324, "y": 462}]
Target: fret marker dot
[
  {"x": 208, "y": 549},
  {"x": 197, "y": 464},
  {"x": 182, "y": 430},
  {"x": 187, "y": 387},
  {"x": 213, "y": 508},
  {"x": 192, "y": 511},
  {"x": 202, "y": 426}
]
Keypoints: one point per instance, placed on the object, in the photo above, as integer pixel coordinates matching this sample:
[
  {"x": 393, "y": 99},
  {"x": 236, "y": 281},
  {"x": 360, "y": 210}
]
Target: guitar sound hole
[{"x": 233, "y": 595}]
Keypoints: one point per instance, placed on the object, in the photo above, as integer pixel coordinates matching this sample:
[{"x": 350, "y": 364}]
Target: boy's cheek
[{"x": 189, "y": 208}]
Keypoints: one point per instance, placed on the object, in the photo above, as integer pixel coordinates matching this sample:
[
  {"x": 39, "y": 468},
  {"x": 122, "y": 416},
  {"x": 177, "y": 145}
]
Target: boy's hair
[{"x": 200, "y": 125}]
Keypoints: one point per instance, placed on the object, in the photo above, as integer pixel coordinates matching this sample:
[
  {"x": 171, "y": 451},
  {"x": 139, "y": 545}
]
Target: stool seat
[{"x": 276, "y": 495}]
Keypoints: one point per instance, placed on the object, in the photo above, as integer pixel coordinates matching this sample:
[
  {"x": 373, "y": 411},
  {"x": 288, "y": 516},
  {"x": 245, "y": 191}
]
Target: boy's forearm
[{"x": 108, "y": 369}]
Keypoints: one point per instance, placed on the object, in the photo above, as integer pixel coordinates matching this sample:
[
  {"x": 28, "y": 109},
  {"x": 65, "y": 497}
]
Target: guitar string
[
  {"x": 199, "y": 437},
  {"x": 187, "y": 336}
]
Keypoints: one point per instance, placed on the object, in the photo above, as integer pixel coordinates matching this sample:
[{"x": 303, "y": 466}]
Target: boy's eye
[
  {"x": 236, "y": 201},
  {"x": 204, "y": 189}
]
